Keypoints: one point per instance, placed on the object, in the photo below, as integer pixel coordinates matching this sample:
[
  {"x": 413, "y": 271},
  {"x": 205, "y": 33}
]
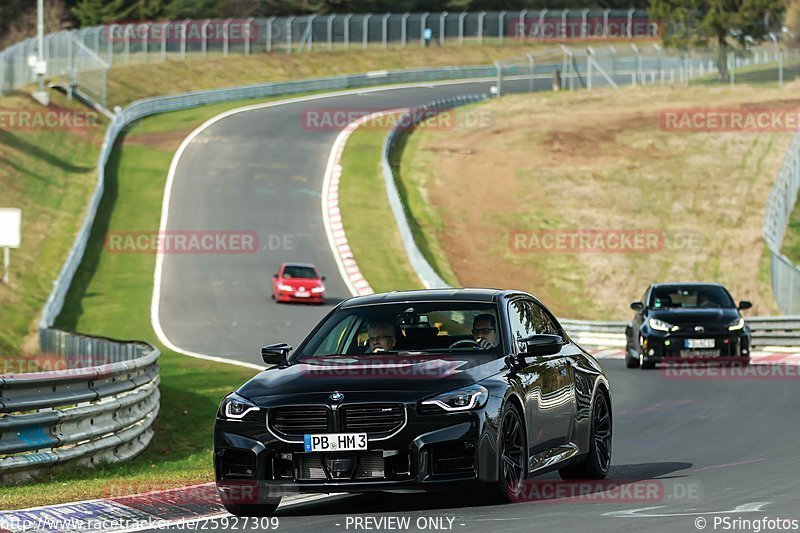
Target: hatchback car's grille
[
  {"x": 374, "y": 418},
  {"x": 299, "y": 420}
]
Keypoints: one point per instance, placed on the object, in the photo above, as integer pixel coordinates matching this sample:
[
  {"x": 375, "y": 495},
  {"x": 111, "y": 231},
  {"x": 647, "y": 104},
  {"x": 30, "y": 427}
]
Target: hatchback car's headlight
[
  {"x": 738, "y": 324},
  {"x": 660, "y": 325},
  {"x": 317, "y": 290},
  {"x": 235, "y": 407},
  {"x": 283, "y": 287},
  {"x": 472, "y": 397}
]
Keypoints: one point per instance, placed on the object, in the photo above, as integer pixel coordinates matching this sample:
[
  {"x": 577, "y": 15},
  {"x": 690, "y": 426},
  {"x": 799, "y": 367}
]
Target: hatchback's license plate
[
  {"x": 335, "y": 442},
  {"x": 301, "y": 294},
  {"x": 699, "y": 343}
]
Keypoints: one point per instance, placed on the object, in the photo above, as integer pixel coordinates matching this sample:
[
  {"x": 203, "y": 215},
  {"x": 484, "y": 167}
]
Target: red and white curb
[{"x": 332, "y": 216}]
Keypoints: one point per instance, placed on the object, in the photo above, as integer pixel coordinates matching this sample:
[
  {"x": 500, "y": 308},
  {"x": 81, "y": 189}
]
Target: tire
[
  {"x": 597, "y": 462},
  {"x": 645, "y": 365},
  {"x": 630, "y": 362},
  {"x": 259, "y": 509},
  {"x": 512, "y": 456}
]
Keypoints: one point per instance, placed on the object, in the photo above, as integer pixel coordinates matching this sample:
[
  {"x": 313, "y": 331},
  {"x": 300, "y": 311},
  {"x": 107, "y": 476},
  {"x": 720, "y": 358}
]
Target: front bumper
[
  {"x": 674, "y": 347},
  {"x": 289, "y": 296},
  {"x": 429, "y": 453}
]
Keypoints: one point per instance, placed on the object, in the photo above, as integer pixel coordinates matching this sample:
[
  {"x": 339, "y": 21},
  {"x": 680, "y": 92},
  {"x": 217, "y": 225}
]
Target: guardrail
[
  {"x": 765, "y": 330},
  {"x": 97, "y": 403}
]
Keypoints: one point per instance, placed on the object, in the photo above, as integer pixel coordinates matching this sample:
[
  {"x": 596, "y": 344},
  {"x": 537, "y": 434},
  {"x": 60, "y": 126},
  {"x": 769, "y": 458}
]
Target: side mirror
[
  {"x": 275, "y": 275},
  {"x": 637, "y": 306},
  {"x": 275, "y": 354},
  {"x": 322, "y": 278},
  {"x": 744, "y": 304},
  {"x": 543, "y": 344}
]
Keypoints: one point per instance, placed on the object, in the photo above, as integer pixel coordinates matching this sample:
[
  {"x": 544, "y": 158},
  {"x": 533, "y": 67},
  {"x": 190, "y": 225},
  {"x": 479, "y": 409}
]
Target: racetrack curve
[{"x": 712, "y": 445}]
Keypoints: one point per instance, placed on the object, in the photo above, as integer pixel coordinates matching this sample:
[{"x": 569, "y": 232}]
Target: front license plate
[
  {"x": 301, "y": 294},
  {"x": 335, "y": 442},
  {"x": 699, "y": 343}
]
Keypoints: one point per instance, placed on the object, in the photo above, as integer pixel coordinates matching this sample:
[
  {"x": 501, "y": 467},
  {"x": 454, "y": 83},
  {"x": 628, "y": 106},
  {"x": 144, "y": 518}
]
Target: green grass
[
  {"x": 791, "y": 240},
  {"x": 49, "y": 174},
  {"x": 413, "y": 169},
  {"x": 371, "y": 229}
]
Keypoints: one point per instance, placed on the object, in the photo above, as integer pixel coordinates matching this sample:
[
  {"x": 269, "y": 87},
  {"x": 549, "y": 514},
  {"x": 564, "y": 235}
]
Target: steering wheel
[{"x": 465, "y": 342}]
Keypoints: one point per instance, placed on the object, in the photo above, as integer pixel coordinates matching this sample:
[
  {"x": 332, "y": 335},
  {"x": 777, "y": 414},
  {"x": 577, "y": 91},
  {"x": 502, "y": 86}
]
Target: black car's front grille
[
  {"x": 296, "y": 421},
  {"x": 373, "y": 418}
]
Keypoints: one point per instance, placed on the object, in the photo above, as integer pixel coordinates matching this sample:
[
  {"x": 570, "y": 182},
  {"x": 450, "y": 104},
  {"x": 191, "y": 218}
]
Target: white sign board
[{"x": 10, "y": 223}]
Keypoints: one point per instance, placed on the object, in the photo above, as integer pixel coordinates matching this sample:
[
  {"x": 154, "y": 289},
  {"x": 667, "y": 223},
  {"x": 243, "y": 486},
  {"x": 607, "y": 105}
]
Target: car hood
[
  {"x": 423, "y": 374},
  {"x": 702, "y": 317}
]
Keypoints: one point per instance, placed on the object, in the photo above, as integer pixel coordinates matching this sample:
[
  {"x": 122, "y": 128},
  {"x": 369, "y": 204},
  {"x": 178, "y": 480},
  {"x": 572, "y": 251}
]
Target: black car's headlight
[
  {"x": 472, "y": 397},
  {"x": 736, "y": 324},
  {"x": 235, "y": 407},
  {"x": 660, "y": 325}
]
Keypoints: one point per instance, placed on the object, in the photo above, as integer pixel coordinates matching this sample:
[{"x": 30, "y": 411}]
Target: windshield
[
  {"x": 301, "y": 272},
  {"x": 698, "y": 297},
  {"x": 408, "y": 329}
]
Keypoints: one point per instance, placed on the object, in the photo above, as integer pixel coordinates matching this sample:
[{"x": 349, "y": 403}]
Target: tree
[{"x": 693, "y": 22}]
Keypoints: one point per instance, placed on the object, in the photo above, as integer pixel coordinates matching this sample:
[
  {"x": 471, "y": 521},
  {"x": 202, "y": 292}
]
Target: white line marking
[
  {"x": 637, "y": 513},
  {"x": 155, "y": 302}
]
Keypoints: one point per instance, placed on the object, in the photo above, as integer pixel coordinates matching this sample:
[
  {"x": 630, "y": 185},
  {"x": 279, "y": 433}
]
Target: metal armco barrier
[
  {"x": 765, "y": 330},
  {"x": 97, "y": 403}
]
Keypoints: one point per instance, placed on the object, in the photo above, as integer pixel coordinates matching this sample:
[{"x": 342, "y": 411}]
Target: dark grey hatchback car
[{"x": 419, "y": 390}]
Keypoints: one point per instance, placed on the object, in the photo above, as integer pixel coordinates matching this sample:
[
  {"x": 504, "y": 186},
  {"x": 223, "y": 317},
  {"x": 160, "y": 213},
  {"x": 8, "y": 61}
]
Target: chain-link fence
[
  {"x": 648, "y": 64},
  {"x": 70, "y": 53}
]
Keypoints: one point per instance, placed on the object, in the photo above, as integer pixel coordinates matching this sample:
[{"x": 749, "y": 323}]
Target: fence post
[
  {"x": 347, "y": 30},
  {"x": 522, "y": 15},
  {"x": 564, "y": 13},
  {"x": 365, "y": 31},
  {"x": 442, "y": 18},
  {"x": 481, "y": 16},
  {"x": 500, "y": 28},
  {"x": 686, "y": 69},
  {"x": 588, "y": 69},
  {"x": 404, "y": 29},
  {"x": 248, "y": 24},
  {"x": 330, "y": 31},
  {"x": 226, "y": 37},
  {"x": 731, "y": 68},
  {"x": 584, "y": 14},
  {"x": 111, "y": 36},
  {"x": 146, "y": 44},
  {"x": 605, "y": 22},
  {"x": 630, "y": 23},
  {"x": 780, "y": 72},
  {"x": 268, "y": 44},
  {"x": 531, "y": 67},
  {"x": 461, "y": 18},
  {"x": 499, "y": 78},
  {"x": 423, "y": 23},
  {"x": 184, "y": 29},
  {"x": 613, "y": 60},
  {"x": 127, "y": 38},
  {"x": 385, "y": 29},
  {"x": 289, "y": 21},
  {"x": 310, "y": 32}
]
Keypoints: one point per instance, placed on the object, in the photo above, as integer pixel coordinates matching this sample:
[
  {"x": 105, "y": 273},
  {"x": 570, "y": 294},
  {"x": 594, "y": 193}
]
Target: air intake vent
[{"x": 374, "y": 418}]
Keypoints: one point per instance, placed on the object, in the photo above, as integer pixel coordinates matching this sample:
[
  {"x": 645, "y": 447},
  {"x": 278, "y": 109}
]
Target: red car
[{"x": 298, "y": 282}]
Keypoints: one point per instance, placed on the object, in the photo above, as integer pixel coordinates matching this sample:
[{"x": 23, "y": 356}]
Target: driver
[
  {"x": 484, "y": 331},
  {"x": 382, "y": 337}
]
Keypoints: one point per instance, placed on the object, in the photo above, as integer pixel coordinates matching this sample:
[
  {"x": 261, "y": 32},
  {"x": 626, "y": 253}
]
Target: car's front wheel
[
  {"x": 597, "y": 462},
  {"x": 254, "y": 509},
  {"x": 512, "y": 455}
]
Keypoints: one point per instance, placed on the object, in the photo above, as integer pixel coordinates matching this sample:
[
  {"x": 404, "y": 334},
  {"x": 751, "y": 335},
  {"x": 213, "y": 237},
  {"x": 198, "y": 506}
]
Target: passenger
[
  {"x": 484, "y": 331},
  {"x": 382, "y": 337}
]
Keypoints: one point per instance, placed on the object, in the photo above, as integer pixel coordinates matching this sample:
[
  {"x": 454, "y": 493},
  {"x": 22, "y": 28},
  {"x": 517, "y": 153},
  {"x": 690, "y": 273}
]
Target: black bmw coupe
[
  {"x": 687, "y": 321},
  {"x": 415, "y": 391}
]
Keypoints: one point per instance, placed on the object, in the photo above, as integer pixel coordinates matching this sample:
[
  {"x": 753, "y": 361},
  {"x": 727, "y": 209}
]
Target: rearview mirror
[
  {"x": 744, "y": 304},
  {"x": 543, "y": 344},
  {"x": 637, "y": 306},
  {"x": 275, "y": 354}
]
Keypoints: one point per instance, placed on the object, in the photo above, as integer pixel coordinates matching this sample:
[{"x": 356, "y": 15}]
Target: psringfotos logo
[
  {"x": 730, "y": 120},
  {"x": 52, "y": 118}
]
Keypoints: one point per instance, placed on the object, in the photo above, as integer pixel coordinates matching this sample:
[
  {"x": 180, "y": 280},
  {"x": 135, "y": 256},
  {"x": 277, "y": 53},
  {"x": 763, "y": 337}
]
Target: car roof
[{"x": 426, "y": 295}]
